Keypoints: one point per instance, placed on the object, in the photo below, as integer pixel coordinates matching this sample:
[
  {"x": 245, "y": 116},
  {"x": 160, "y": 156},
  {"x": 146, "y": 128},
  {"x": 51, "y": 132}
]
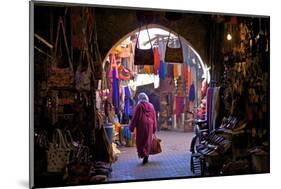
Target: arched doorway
[
  {"x": 194, "y": 61},
  {"x": 172, "y": 122},
  {"x": 163, "y": 28}
]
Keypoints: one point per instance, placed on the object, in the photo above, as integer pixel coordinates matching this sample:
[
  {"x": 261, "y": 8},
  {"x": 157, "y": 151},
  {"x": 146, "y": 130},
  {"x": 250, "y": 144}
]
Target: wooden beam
[{"x": 44, "y": 41}]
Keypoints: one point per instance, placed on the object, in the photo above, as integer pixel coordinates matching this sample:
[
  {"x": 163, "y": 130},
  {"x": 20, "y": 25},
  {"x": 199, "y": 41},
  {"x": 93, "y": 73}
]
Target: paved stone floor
[{"x": 172, "y": 162}]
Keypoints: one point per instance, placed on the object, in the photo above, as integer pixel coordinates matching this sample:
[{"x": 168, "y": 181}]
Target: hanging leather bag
[
  {"x": 58, "y": 154},
  {"x": 174, "y": 55},
  {"x": 83, "y": 75},
  {"x": 144, "y": 56},
  {"x": 59, "y": 77}
]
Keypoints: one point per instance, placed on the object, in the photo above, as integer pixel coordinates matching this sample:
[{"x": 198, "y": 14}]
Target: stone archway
[
  {"x": 115, "y": 23},
  {"x": 149, "y": 26}
]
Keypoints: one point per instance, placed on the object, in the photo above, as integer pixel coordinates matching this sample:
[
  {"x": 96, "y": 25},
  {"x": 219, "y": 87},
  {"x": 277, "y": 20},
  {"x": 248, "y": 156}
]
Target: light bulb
[{"x": 228, "y": 37}]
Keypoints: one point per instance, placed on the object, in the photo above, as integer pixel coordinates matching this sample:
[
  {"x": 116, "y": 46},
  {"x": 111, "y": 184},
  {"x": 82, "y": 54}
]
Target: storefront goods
[
  {"x": 162, "y": 73},
  {"x": 58, "y": 76},
  {"x": 115, "y": 91},
  {"x": 174, "y": 55},
  {"x": 144, "y": 56},
  {"x": 124, "y": 73},
  {"x": 83, "y": 75},
  {"x": 58, "y": 153},
  {"x": 156, "y": 60},
  {"x": 192, "y": 93},
  {"x": 127, "y": 111}
]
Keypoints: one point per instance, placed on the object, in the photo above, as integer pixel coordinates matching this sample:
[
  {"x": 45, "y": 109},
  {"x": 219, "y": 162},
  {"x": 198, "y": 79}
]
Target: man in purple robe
[{"x": 144, "y": 120}]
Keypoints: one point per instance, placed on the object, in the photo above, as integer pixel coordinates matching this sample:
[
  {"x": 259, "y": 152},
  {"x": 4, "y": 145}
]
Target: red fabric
[
  {"x": 189, "y": 78},
  {"x": 156, "y": 61},
  {"x": 179, "y": 106},
  {"x": 144, "y": 120},
  {"x": 113, "y": 64}
]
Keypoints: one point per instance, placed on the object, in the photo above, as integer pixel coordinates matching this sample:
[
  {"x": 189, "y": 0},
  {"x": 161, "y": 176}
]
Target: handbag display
[
  {"x": 58, "y": 154},
  {"x": 155, "y": 146},
  {"x": 60, "y": 77},
  {"x": 83, "y": 75},
  {"x": 124, "y": 73},
  {"x": 144, "y": 56},
  {"x": 174, "y": 55},
  {"x": 80, "y": 166}
]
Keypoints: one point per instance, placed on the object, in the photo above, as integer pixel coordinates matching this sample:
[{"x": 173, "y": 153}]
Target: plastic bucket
[{"x": 109, "y": 131}]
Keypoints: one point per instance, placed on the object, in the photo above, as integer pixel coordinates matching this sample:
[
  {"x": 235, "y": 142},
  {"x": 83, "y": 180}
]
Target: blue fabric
[
  {"x": 162, "y": 74},
  {"x": 166, "y": 69},
  {"x": 127, "y": 133},
  {"x": 115, "y": 91},
  {"x": 127, "y": 110},
  {"x": 192, "y": 93}
]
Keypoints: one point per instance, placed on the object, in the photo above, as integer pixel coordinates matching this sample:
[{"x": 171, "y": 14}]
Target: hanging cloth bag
[
  {"x": 144, "y": 56},
  {"x": 60, "y": 77},
  {"x": 174, "y": 55},
  {"x": 83, "y": 75},
  {"x": 58, "y": 154}
]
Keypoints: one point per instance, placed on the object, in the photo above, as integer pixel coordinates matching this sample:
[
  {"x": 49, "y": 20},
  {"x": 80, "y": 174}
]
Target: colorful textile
[
  {"x": 156, "y": 61},
  {"x": 176, "y": 70},
  {"x": 162, "y": 74},
  {"x": 192, "y": 93},
  {"x": 189, "y": 78},
  {"x": 127, "y": 134},
  {"x": 115, "y": 91},
  {"x": 180, "y": 70},
  {"x": 170, "y": 71},
  {"x": 162, "y": 49},
  {"x": 113, "y": 64},
  {"x": 124, "y": 73},
  {"x": 166, "y": 69},
  {"x": 144, "y": 120},
  {"x": 179, "y": 106},
  {"x": 127, "y": 110},
  {"x": 148, "y": 69}
]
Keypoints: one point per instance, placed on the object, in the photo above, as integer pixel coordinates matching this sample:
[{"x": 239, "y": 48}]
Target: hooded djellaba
[{"x": 144, "y": 120}]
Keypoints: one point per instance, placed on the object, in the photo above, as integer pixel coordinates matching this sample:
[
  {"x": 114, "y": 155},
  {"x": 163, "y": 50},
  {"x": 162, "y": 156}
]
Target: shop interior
[{"x": 89, "y": 70}]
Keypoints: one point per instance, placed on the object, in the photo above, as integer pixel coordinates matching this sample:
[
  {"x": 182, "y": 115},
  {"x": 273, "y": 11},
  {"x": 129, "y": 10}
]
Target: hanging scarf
[
  {"x": 192, "y": 93},
  {"x": 176, "y": 71},
  {"x": 115, "y": 91},
  {"x": 162, "y": 74},
  {"x": 113, "y": 64},
  {"x": 166, "y": 69},
  {"x": 147, "y": 69},
  {"x": 170, "y": 70},
  {"x": 189, "y": 77},
  {"x": 156, "y": 61},
  {"x": 127, "y": 111}
]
